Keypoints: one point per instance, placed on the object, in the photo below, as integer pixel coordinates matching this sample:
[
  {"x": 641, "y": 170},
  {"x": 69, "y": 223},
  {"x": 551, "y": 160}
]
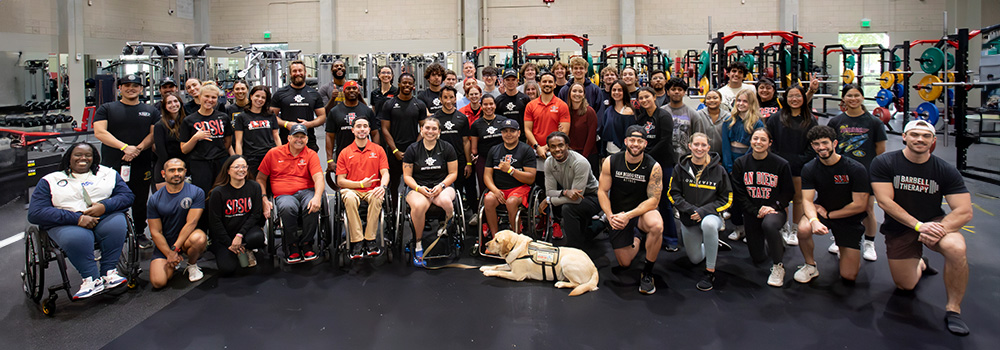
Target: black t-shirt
[
  {"x": 857, "y": 136},
  {"x": 378, "y": 99},
  {"x": 512, "y": 107},
  {"x": 521, "y": 157},
  {"x": 454, "y": 128},
  {"x": 790, "y": 142},
  {"x": 488, "y": 132},
  {"x": 340, "y": 120},
  {"x": 232, "y": 110},
  {"x": 629, "y": 181},
  {"x": 129, "y": 124},
  {"x": 430, "y": 167},
  {"x": 258, "y": 136},
  {"x": 297, "y": 104},
  {"x": 917, "y": 188},
  {"x": 167, "y": 146},
  {"x": 404, "y": 118},
  {"x": 768, "y": 108},
  {"x": 836, "y": 184},
  {"x": 219, "y": 128},
  {"x": 190, "y": 107},
  {"x": 431, "y": 99}
]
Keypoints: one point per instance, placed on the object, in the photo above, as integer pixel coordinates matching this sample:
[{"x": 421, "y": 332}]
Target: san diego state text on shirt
[{"x": 752, "y": 178}]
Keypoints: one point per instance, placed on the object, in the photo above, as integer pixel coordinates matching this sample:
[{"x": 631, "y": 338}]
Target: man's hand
[
  {"x": 821, "y": 212},
  {"x": 931, "y": 232},
  {"x": 173, "y": 259},
  {"x": 95, "y": 210},
  {"x": 130, "y": 153},
  {"x": 434, "y": 192},
  {"x": 267, "y": 208},
  {"x": 87, "y": 221},
  {"x": 331, "y": 167},
  {"x": 499, "y": 195},
  {"x": 818, "y": 228},
  {"x": 367, "y": 182},
  {"x": 503, "y": 166},
  {"x": 573, "y": 194},
  {"x": 314, "y": 204},
  {"x": 468, "y": 171},
  {"x": 618, "y": 221},
  {"x": 541, "y": 151},
  {"x": 398, "y": 155},
  {"x": 378, "y": 192}
]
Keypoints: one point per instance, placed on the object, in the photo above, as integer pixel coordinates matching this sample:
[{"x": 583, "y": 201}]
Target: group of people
[{"x": 761, "y": 162}]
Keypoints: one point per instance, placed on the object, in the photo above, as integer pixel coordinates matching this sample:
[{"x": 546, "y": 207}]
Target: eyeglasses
[{"x": 239, "y": 167}]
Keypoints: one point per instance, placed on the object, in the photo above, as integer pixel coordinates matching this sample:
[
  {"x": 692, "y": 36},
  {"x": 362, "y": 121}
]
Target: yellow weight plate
[
  {"x": 926, "y": 91},
  {"x": 848, "y": 76},
  {"x": 704, "y": 87},
  {"x": 749, "y": 77},
  {"x": 887, "y": 79},
  {"x": 899, "y": 77}
]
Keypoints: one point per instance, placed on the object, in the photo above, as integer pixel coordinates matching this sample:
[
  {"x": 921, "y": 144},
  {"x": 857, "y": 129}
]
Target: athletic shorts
[
  {"x": 846, "y": 232},
  {"x": 520, "y": 191},
  {"x": 624, "y": 237},
  {"x": 904, "y": 245}
]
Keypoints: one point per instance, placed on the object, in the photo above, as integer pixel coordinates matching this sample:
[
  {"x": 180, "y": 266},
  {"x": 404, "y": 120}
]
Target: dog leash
[{"x": 460, "y": 266}]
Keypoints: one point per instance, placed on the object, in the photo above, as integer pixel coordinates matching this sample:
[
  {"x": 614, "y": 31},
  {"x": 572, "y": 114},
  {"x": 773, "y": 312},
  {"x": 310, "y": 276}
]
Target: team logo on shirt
[
  {"x": 395, "y": 105},
  {"x": 449, "y": 125},
  {"x": 144, "y": 114},
  {"x": 554, "y": 109},
  {"x": 298, "y": 98},
  {"x": 607, "y": 102},
  {"x": 437, "y": 101},
  {"x": 430, "y": 161},
  {"x": 215, "y": 127},
  {"x": 915, "y": 184},
  {"x": 372, "y": 155},
  {"x": 62, "y": 183},
  {"x": 491, "y": 130},
  {"x": 259, "y": 124},
  {"x": 509, "y": 158},
  {"x": 350, "y": 118},
  {"x": 841, "y": 179},
  {"x": 302, "y": 162},
  {"x": 510, "y": 106},
  {"x": 648, "y": 127},
  {"x": 186, "y": 203}
]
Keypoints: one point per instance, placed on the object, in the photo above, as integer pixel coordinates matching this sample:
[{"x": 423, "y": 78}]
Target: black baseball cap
[
  {"x": 131, "y": 78},
  {"x": 298, "y": 128},
  {"x": 167, "y": 81},
  {"x": 510, "y": 124},
  {"x": 509, "y": 72},
  {"x": 633, "y": 130}
]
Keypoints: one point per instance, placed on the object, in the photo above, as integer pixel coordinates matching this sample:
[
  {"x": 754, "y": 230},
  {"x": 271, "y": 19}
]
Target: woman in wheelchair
[
  {"x": 79, "y": 204},
  {"x": 429, "y": 169},
  {"x": 235, "y": 217}
]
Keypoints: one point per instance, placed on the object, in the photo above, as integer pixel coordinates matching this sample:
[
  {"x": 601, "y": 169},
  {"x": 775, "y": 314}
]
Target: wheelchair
[
  {"x": 456, "y": 231},
  {"x": 323, "y": 247},
  {"x": 533, "y": 222},
  {"x": 40, "y": 251},
  {"x": 341, "y": 244}
]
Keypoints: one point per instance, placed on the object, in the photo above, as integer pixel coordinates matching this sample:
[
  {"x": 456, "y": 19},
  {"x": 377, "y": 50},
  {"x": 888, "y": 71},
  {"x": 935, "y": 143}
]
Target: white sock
[{"x": 420, "y": 247}]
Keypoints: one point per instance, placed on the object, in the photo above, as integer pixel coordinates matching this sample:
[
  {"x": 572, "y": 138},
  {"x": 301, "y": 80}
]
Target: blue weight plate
[
  {"x": 884, "y": 98},
  {"x": 928, "y": 111}
]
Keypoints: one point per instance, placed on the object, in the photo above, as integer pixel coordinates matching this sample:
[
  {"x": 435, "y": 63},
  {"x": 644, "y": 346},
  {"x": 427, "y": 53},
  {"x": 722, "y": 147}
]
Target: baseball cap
[
  {"x": 510, "y": 124},
  {"x": 167, "y": 81},
  {"x": 632, "y": 130},
  {"x": 509, "y": 72},
  {"x": 297, "y": 128},
  {"x": 131, "y": 78},
  {"x": 919, "y": 125}
]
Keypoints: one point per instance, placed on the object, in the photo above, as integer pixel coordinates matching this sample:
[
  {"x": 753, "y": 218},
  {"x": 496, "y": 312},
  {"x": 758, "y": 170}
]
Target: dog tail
[{"x": 588, "y": 286}]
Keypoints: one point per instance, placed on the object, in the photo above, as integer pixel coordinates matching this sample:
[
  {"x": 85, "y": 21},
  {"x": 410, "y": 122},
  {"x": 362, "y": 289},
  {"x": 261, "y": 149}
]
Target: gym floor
[{"x": 395, "y": 306}]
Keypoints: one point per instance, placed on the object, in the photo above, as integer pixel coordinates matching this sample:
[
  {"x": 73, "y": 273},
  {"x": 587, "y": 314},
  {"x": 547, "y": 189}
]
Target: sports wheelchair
[
  {"x": 447, "y": 246},
  {"x": 533, "y": 222},
  {"x": 40, "y": 250},
  {"x": 274, "y": 232},
  {"x": 341, "y": 248}
]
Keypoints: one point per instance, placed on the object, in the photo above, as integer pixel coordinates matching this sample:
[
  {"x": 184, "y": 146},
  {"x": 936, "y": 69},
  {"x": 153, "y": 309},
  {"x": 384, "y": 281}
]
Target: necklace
[{"x": 636, "y": 166}]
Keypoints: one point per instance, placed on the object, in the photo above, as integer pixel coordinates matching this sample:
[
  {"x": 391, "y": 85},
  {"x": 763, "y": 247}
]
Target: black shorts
[
  {"x": 157, "y": 254},
  {"x": 846, "y": 232},
  {"x": 623, "y": 238}
]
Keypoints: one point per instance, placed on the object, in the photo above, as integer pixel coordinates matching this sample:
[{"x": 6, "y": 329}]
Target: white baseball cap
[{"x": 919, "y": 125}]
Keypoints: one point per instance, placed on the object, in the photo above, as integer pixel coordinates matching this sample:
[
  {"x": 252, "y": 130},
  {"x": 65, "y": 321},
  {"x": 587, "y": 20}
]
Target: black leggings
[
  {"x": 227, "y": 261},
  {"x": 203, "y": 172},
  {"x": 765, "y": 232}
]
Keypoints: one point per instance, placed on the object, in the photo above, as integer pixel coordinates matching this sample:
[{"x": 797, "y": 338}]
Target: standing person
[
  {"x": 609, "y": 75},
  {"x": 207, "y": 137},
  {"x": 451, "y": 80},
  {"x": 511, "y": 103},
  {"x": 767, "y": 97},
  {"x": 385, "y": 90},
  {"x": 789, "y": 127},
  {"x": 485, "y": 133},
  {"x": 736, "y": 139},
  {"x": 583, "y": 122},
  {"x": 631, "y": 81},
  {"x": 463, "y": 95},
  {"x": 431, "y": 97},
  {"x": 560, "y": 70},
  {"x": 658, "y": 81},
  {"x": 173, "y": 217},
  {"x": 834, "y": 196},
  {"x": 166, "y": 135},
  {"x": 430, "y": 167},
  {"x": 531, "y": 90},
  {"x": 399, "y": 119},
  {"x": 615, "y": 120},
  {"x": 241, "y": 100},
  {"x": 737, "y": 73},
  {"x": 762, "y": 186},
  {"x": 700, "y": 190},
  {"x": 340, "y": 119},
  {"x": 544, "y": 115},
  {"x": 862, "y": 137},
  {"x": 235, "y": 216},
  {"x": 455, "y": 130},
  {"x": 490, "y": 81},
  {"x": 716, "y": 117},
  {"x": 510, "y": 170},
  {"x": 297, "y": 103},
  {"x": 363, "y": 176},
  {"x": 910, "y": 185},
  {"x": 623, "y": 176},
  {"x": 256, "y": 129},
  {"x": 660, "y": 135},
  {"x": 334, "y": 90},
  {"x": 529, "y": 71},
  {"x": 125, "y": 129},
  {"x": 578, "y": 66},
  {"x": 469, "y": 71},
  {"x": 191, "y": 87},
  {"x": 474, "y": 109},
  {"x": 167, "y": 86},
  {"x": 80, "y": 204},
  {"x": 686, "y": 120},
  {"x": 571, "y": 189}
]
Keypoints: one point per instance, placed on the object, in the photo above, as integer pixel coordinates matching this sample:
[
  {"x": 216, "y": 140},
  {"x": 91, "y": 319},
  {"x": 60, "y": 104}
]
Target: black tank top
[{"x": 629, "y": 181}]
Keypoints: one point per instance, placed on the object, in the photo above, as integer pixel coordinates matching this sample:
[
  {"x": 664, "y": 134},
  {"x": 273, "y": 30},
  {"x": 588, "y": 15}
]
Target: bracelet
[
  {"x": 510, "y": 171},
  {"x": 328, "y": 161},
  {"x": 468, "y": 163},
  {"x": 362, "y": 184},
  {"x": 285, "y": 125},
  {"x": 394, "y": 150},
  {"x": 813, "y": 219},
  {"x": 123, "y": 148},
  {"x": 240, "y": 235},
  {"x": 917, "y": 227}
]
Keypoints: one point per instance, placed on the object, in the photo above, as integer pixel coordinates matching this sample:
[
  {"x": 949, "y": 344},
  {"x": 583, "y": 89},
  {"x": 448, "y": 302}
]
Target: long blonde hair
[
  {"x": 708, "y": 157},
  {"x": 752, "y": 116}
]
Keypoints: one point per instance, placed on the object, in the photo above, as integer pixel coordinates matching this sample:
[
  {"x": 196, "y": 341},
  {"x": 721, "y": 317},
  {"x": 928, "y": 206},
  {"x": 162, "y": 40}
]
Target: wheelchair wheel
[
  {"x": 271, "y": 230},
  {"x": 538, "y": 224},
  {"x": 128, "y": 263},
  {"x": 49, "y": 306},
  {"x": 398, "y": 230},
  {"x": 33, "y": 275}
]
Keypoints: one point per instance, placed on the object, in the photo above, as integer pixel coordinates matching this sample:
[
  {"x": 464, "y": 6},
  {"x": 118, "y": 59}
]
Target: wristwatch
[{"x": 175, "y": 249}]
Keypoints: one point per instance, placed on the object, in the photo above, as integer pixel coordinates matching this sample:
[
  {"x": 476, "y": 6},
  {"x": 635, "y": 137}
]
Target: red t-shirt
[
  {"x": 358, "y": 164},
  {"x": 545, "y": 118},
  {"x": 287, "y": 173}
]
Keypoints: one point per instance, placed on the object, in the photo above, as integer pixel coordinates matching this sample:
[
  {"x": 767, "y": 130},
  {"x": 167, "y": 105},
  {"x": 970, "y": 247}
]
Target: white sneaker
[
  {"x": 868, "y": 250},
  {"x": 834, "y": 248},
  {"x": 113, "y": 279},
  {"x": 791, "y": 235},
  {"x": 806, "y": 273},
  {"x": 737, "y": 234},
  {"x": 194, "y": 272},
  {"x": 89, "y": 288},
  {"x": 777, "y": 277}
]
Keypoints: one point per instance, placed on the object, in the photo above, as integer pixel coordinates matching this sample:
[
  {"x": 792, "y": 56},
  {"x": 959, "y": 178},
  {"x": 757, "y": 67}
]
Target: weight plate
[
  {"x": 749, "y": 60},
  {"x": 886, "y": 80},
  {"x": 705, "y": 61},
  {"x": 928, "y": 92},
  {"x": 849, "y": 62},
  {"x": 787, "y": 65},
  {"x": 884, "y": 98},
  {"x": 931, "y": 60},
  {"x": 928, "y": 111},
  {"x": 882, "y": 114},
  {"x": 770, "y": 72},
  {"x": 896, "y": 62},
  {"x": 898, "y": 90},
  {"x": 848, "y": 76},
  {"x": 748, "y": 77},
  {"x": 951, "y": 61},
  {"x": 951, "y": 97}
]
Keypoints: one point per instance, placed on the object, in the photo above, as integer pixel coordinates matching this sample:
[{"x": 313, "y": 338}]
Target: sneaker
[
  {"x": 293, "y": 258},
  {"x": 806, "y": 273},
  {"x": 868, "y": 250},
  {"x": 372, "y": 248},
  {"x": 251, "y": 259},
  {"x": 357, "y": 251},
  {"x": 834, "y": 248},
  {"x": 418, "y": 259},
  {"x": 144, "y": 242},
  {"x": 791, "y": 235},
  {"x": 309, "y": 255},
  {"x": 194, "y": 272},
  {"x": 113, "y": 279},
  {"x": 707, "y": 282},
  {"x": 777, "y": 277},
  {"x": 557, "y": 231},
  {"x": 737, "y": 234},
  {"x": 671, "y": 247},
  {"x": 89, "y": 288},
  {"x": 724, "y": 247},
  {"x": 646, "y": 284}
]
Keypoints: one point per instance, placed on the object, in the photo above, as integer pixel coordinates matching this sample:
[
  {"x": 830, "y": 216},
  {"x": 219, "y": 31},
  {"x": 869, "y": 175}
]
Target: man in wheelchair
[
  {"x": 362, "y": 174},
  {"x": 508, "y": 175},
  {"x": 82, "y": 202},
  {"x": 295, "y": 178}
]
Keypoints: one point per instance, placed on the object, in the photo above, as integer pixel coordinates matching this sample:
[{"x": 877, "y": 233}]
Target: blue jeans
[
  {"x": 666, "y": 210},
  {"x": 78, "y": 243},
  {"x": 290, "y": 209}
]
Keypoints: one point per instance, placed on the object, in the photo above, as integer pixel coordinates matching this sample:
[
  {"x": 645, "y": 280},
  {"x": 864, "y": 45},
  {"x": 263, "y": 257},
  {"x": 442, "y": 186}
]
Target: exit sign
[
  {"x": 267, "y": 35},
  {"x": 866, "y": 23}
]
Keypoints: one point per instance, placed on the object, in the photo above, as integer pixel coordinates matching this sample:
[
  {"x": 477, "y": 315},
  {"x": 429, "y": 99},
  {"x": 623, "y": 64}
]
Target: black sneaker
[
  {"x": 357, "y": 251},
  {"x": 372, "y": 248},
  {"x": 707, "y": 282},
  {"x": 671, "y": 247},
  {"x": 144, "y": 242},
  {"x": 294, "y": 257},
  {"x": 646, "y": 284}
]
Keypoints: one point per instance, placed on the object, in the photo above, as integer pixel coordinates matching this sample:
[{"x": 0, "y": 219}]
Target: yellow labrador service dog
[{"x": 527, "y": 259}]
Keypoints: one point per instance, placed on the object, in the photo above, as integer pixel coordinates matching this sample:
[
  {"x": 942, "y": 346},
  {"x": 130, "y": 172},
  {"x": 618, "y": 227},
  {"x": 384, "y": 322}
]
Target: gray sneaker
[{"x": 646, "y": 284}]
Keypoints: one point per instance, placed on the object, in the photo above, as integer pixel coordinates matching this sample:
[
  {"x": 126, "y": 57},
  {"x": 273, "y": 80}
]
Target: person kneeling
[
  {"x": 235, "y": 217},
  {"x": 173, "y": 213},
  {"x": 571, "y": 188},
  {"x": 363, "y": 175}
]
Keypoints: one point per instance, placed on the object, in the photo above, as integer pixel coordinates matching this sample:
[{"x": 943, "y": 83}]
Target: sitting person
[
  {"x": 508, "y": 175},
  {"x": 571, "y": 188},
  {"x": 79, "y": 204},
  {"x": 173, "y": 214},
  {"x": 235, "y": 216},
  {"x": 363, "y": 175},
  {"x": 296, "y": 181},
  {"x": 430, "y": 168}
]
